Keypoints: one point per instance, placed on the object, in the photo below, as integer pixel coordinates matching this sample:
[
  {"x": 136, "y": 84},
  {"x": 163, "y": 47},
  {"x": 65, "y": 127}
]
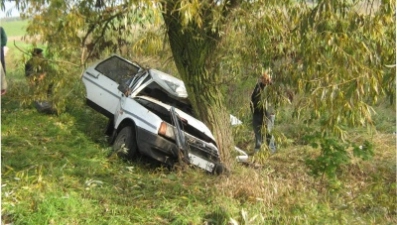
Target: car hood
[
  {"x": 190, "y": 120},
  {"x": 171, "y": 84}
]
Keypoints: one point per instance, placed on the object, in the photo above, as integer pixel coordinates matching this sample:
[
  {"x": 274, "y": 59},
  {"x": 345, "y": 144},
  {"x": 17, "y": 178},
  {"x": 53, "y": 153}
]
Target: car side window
[{"x": 117, "y": 69}]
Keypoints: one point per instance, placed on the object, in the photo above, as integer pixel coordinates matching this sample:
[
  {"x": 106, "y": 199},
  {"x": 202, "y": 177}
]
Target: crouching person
[{"x": 36, "y": 72}]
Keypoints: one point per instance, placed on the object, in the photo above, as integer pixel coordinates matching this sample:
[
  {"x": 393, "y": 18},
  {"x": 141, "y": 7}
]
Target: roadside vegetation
[{"x": 57, "y": 169}]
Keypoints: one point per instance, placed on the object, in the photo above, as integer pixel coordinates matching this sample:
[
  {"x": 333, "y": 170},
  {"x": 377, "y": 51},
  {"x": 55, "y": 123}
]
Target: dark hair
[{"x": 37, "y": 51}]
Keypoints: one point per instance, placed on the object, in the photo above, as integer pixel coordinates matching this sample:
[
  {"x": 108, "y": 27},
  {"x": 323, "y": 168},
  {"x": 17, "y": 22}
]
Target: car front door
[
  {"x": 103, "y": 79},
  {"x": 130, "y": 89}
]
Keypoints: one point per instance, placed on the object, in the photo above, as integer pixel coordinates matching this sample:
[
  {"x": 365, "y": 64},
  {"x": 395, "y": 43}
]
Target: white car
[{"x": 149, "y": 112}]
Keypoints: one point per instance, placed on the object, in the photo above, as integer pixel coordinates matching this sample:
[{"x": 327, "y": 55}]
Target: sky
[{"x": 10, "y": 7}]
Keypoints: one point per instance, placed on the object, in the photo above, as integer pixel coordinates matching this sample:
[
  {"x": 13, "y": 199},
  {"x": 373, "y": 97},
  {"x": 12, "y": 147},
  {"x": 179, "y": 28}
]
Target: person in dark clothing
[
  {"x": 36, "y": 70},
  {"x": 34, "y": 67},
  {"x": 3, "y": 41},
  {"x": 260, "y": 114}
]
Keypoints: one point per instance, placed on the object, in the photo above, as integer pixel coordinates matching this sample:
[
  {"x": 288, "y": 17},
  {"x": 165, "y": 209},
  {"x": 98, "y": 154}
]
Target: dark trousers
[
  {"x": 258, "y": 122},
  {"x": 3, "y": 62}
]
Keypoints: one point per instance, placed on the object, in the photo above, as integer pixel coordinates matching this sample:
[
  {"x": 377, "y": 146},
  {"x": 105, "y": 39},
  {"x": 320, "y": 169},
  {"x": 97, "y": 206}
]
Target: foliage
[
  {"x": 56, "y": 169},
  {"x": 334, "y": 154},
  {"x": 338, "y": 59},
  {"x": 329, "y": 53},
  {"x": 85, "y": 31},
  {"x": 345, "y": 69},
  {"x": 346, "y": 76}
]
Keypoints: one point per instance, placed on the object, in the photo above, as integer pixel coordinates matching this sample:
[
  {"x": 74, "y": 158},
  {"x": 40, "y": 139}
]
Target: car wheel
[{"x": 125, "y": 144}]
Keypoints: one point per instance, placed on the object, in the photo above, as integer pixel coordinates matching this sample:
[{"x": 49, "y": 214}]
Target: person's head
[
  {"x": 266, "y": 79},
  {"x": 37, "y": 52}
]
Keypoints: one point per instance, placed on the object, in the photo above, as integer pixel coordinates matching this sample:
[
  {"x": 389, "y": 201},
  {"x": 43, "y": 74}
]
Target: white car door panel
[
  {"x": 143, "y": 118},
  {"x": 103, "y": 91}
]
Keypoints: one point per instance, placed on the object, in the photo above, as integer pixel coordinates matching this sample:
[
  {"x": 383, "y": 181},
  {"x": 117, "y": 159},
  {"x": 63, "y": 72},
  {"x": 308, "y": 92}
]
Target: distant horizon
[{"x": 9, "y": 17}]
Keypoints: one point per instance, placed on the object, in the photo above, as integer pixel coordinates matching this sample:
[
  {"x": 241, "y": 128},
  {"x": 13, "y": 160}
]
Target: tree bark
[{"x": 193, "y": 49}]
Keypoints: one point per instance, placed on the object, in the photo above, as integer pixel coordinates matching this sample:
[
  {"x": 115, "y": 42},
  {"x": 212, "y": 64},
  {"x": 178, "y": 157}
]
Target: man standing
[
  {"x": 3, "y": 41},
  {"x": 261, "y": 114}
]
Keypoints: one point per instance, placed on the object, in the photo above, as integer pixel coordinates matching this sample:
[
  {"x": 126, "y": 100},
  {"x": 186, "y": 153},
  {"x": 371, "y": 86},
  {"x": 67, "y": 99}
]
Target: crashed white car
[{"x": 149, "y": 112}]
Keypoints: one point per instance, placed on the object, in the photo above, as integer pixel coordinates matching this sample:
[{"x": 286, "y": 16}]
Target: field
[
  {"x": 14, "y": 28},
  {"x": 58, "y": 169}
]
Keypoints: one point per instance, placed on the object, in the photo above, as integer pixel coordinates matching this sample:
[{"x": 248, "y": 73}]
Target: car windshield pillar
[{"x": 138, "y": 80}]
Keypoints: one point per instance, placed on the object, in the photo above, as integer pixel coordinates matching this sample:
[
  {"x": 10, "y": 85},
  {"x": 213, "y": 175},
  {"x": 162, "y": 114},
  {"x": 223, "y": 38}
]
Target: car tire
[{"x": 125, "y": 144}]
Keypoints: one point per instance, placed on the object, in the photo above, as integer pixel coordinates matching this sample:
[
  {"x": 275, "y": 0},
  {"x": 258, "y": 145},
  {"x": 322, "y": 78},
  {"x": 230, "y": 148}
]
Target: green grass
[
  {"x": 14, "y": 28},
  {"x": 57, "y": 170}
]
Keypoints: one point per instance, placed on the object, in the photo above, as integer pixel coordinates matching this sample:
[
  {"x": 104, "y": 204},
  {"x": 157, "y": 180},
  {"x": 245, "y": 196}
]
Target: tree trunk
[{"x": 193, "y": 49}]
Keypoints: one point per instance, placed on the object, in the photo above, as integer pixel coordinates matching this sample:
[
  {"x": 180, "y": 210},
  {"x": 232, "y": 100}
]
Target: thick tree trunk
[{"x": 193, "y": 50}]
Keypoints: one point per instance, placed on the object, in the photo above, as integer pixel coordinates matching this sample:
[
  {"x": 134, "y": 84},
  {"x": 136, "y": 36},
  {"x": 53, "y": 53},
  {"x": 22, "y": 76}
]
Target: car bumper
[{"x": 201, "y": 154}]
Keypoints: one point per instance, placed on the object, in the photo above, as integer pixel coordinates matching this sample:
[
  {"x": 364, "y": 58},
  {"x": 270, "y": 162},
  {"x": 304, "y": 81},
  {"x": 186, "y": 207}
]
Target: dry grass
[
  {"x": 284, "y": 184},
  {"x": 284, "y": 173}
]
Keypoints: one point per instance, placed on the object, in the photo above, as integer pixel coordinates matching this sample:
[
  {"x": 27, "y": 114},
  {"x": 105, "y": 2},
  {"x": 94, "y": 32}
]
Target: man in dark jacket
[{"x": 260, "y": 113}]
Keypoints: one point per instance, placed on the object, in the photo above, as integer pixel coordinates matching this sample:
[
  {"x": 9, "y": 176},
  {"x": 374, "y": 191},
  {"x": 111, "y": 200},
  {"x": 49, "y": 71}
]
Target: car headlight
[{"x": 166, "y": 130}]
